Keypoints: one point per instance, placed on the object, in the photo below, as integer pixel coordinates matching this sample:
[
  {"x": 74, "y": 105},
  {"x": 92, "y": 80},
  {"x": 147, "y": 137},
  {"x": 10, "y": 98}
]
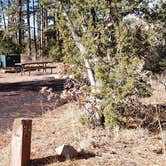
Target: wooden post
[
  {"x": 43, "y": 68},
  {"x": 51, "y": 69},
  {"x": 22, "y": 70},
  {"x": 21, "y": 142}
]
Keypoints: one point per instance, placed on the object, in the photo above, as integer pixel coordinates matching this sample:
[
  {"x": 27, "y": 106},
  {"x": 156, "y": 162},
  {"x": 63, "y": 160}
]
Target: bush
[
  {"x": 8, "y": 46},
  {"x": 118, "y": 79}
]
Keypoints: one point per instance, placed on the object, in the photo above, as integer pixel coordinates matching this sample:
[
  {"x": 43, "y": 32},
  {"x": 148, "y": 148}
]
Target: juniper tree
[
  {"x": 103, "y": 42},
  {"x": 107, "y": 47}
]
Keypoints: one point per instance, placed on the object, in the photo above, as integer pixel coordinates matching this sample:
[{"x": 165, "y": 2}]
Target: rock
[
  {"x": 44, "y": 90},
  {"x": 66, "y": 151}
]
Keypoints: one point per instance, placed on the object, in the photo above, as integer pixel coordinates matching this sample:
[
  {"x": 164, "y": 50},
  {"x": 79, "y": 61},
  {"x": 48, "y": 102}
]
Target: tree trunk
[
  {"x": 34, "y": 28},
  {"x": 3, "y": 15},
  {"x": 38, "y": 14},
  {"x": 8, "y": 15},
  {"x": 42, "y": 28},
  {"x": 29, "y": 30},
  {"x": 20, "y": 22},
  {"x": 46, "y": 25},
  {"x": 83, "y": 52}
]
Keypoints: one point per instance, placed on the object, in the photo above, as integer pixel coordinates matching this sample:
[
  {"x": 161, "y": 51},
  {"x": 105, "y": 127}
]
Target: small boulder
[{"x": 66, "y": 151}]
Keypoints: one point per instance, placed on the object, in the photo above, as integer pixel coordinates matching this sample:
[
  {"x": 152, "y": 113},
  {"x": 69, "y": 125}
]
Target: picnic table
[{"x": 33, "y": 66}]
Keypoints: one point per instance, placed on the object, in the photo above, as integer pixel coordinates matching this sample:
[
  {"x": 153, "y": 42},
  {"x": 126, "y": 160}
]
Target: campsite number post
[{"x": 21, "y": 142}]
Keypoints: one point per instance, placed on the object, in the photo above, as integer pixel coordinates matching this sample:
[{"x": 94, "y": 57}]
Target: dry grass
[
  {"x": 116, "y": 147},
  {"x": 159, "y": 93}
]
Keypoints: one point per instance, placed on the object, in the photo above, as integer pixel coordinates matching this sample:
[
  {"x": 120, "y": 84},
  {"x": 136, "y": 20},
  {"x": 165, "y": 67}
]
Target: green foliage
[
  {"x": 82, "y": 120},
  {"x": 114, "y": 47},
  {"x": 56, "y": 53},
  {"x": 121, "y": 77},
  {"x": 118, "y": 80},
  {"x": 155, "y": 16},
  {"x": 110, "y": 117},
  {"x": 162, "y": 63},
  {"x": 8, "y": 46}
]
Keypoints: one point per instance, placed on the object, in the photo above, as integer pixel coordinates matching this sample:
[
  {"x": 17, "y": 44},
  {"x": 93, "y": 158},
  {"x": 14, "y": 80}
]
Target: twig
[{"x": 161, "y": 131}]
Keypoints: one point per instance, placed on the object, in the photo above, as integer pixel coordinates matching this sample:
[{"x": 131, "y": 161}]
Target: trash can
[{"x": 9, "y": 60}]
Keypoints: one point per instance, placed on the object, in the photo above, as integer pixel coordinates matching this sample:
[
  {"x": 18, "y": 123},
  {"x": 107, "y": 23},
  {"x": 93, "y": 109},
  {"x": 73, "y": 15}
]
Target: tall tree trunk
[
  {"x": 29, "y": 30},
  {"x": 46, "y": 25},
  {"x": 83, "y": 52},
  {"x": 20, "y": 22},
  {"x": 34, "y": 28},
  {"x": 38, "y": 18},
  {"x": 42, "y": 28},
  {"x": 3, "y": 15},
  {"x": 8, "y": 8}
]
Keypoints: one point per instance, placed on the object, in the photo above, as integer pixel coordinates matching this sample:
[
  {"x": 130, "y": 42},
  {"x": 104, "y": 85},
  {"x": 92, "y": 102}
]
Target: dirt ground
[
  {"x": 57, "y": 126},
  {"x": 116, "y": 147},
  {"x": 21, "y": 102},
  {"x": 35, "y": 75}
]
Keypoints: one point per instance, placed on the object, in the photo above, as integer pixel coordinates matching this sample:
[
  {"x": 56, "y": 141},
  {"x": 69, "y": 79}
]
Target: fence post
[{"x": 21, "y": 142}]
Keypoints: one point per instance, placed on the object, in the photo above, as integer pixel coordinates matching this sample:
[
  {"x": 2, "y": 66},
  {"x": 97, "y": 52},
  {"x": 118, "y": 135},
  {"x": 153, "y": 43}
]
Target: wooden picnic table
[{"x": 32, "y": 66}]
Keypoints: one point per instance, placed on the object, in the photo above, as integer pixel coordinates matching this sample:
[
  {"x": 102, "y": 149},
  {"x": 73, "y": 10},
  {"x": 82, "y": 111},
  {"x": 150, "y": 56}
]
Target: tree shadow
[
  {"x": 36, "y": 85},
  {"x": 24, "y": 99},
  {"x": 56, "y": 158},
  {"x": 85, "y": 155},
  {"x": 45, "y": 160}
]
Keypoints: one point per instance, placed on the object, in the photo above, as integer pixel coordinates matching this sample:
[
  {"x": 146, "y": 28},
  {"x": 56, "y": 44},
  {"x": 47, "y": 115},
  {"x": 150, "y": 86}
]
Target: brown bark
[
  {"x": 20, "y": 22},
  {"x": 34, "y": 29},
  {"x": 29, "y": 30}
]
